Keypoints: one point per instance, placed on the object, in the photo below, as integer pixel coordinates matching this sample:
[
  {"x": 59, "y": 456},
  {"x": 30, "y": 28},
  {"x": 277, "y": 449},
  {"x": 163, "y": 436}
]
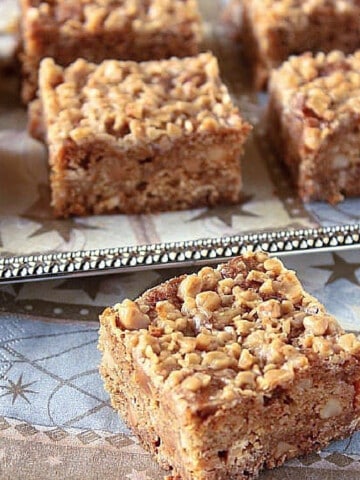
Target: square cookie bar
[
  {"x": 313, "y": 123},
  {"x": 105, "y": 29},
  {"x": 139, "y": 137},
  {"x": 229, "y": 370},
  {"x": 275, "y": 29}
]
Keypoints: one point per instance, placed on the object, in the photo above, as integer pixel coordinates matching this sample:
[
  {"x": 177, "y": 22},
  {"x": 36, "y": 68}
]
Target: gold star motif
[
  {"x": 17, "y": 389},
  {"x": 340, "y": 269},
  {"x": 225, "y": 213},
  {"x": 41, "y": 213}
]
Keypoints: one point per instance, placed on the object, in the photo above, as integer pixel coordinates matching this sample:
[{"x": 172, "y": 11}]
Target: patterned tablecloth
[{"x": 55, "y": 418}]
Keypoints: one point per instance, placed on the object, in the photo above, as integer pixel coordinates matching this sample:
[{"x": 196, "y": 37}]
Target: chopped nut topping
[
  {"x": 243, "y": 327},
  {"x": 321, "y": 89},
  {"x": 254, "y": 342},
  {"x": 196, "y": 382},
  {"x": 126, "y": 102},
  {"x": 205, "y": 342},
  {"x": 289, "y": 287},
  {"x": 270, "y": 308},
  {"x": 350, "y": 343},
  {"x": 131, "y": 317},
  {"x": 209, "y": 278},
  {"x": 245, "y": 379},
  {"x": 190, "y": 287},
  {"x": 246, "y": 360},
  {"x": 315, "y": 325},
  {"x": 273, "y": 265},
  {"x": 208, "y": 300},
  {"x": 218, "y": 360},
  {"x": 322, "y": 346},
  {"x": 167, "y": 310},
  {"x": 275, "y": 378}
]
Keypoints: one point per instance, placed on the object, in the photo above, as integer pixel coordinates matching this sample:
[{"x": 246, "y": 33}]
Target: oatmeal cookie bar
[
  {"x": 139, "y": 137},
  {"x": 272, "y": 30},
  {"x": 313, "y": 123},
  {"x": 229, "y": 370},
  {"x": 105, "y": 29}
]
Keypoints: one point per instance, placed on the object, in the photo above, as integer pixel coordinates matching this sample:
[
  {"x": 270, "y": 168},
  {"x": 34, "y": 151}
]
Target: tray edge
[{"x": 174, "y": 254}]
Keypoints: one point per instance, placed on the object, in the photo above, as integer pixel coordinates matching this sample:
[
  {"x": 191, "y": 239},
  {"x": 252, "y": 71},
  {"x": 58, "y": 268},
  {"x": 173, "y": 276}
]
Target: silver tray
[
  {"x": 33, "y": 245},
  {"x": 175, "y": 254}
]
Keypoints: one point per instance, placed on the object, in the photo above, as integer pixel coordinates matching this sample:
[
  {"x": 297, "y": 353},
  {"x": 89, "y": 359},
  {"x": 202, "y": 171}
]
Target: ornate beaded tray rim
[{"x": 212, "y": 250}]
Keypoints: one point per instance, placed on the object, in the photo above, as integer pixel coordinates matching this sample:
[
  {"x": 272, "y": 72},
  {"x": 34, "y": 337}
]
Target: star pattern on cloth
[
  {"x": 17, "y": 287},
  {"x": 225, "y": 213},
  {"x": 340, "y": 269},
  {"x": 40, "y": 212},
  {"x": 138, "y": 475},
  {"x": 92, "y": 286},
  {"x": 18, "y": 389}
]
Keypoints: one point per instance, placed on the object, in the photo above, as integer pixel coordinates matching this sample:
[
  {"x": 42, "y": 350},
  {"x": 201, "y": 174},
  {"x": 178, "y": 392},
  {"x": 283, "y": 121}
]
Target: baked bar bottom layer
[
  {"x": 233, "y": 442},
  {"x": 330, "y": 174},
  {"x": 97, "y": 179}
]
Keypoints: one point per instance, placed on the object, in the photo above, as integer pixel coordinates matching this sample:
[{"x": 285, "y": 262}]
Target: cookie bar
[
  {"x": 313, "y": 123},
  {"x": 139, "y": 137},
  {"x": 275, "y": 29},
  {"x": 105, "y": 29},
  {"x": 229, "y": 370}
]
